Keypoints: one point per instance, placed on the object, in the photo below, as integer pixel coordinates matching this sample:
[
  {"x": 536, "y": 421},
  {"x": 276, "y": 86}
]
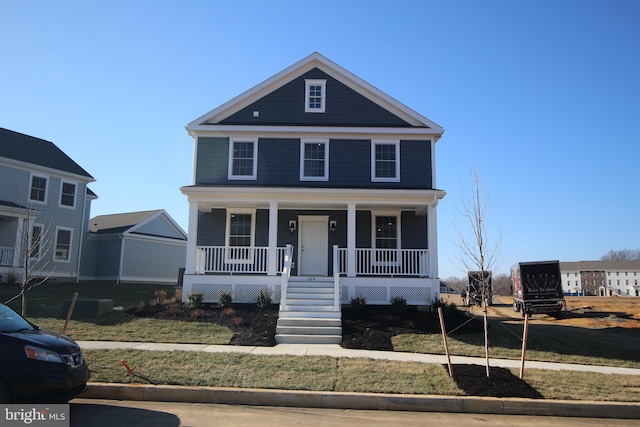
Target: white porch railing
[
  {"x": 386, "y": 262},
  {"x": 225, "y": 259},
  {"x": 6, "y": 256}
]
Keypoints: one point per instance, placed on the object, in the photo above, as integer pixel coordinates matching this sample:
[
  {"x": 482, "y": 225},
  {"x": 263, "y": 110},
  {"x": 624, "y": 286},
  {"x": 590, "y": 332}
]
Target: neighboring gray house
[
  {"x": 318, "y": 187},
  {"x": 44, "y": 208},
  {"x": 134, "y": 247}
]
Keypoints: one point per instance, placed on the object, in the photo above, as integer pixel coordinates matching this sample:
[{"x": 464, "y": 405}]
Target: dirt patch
[{"x": 473, "y": 380}]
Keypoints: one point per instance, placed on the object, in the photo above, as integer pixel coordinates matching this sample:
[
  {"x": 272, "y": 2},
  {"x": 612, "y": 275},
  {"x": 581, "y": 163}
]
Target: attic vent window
[{"x": 315, "y": 96}]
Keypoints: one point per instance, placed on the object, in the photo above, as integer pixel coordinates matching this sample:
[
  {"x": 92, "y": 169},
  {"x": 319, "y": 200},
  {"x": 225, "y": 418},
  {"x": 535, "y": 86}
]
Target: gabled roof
[
  {"x": 36, "y": 151},
  {"x": 315, "y": 60},
  {"x": 131, "y": 223}
]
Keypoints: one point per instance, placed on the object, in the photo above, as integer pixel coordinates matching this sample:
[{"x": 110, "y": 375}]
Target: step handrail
[
  {"x": 336, "y": 279},
  {"x": 286, "y": 273}
]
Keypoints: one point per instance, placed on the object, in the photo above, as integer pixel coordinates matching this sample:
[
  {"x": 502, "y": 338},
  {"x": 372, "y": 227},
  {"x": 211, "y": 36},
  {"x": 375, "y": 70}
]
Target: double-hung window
[
  {"x": 314, "y": 160},
  {"x": 315, "y": 96},
  {"x": 63, "y": 244},
  {"x": 38, "y": 191},
  {"x": 68, "y": 195},
  {"x": 243, "y": 159},
  {"x": 386, "y": 238},
  {"x": 240, "y": 235},
  {"x": 385, "y": 161}
]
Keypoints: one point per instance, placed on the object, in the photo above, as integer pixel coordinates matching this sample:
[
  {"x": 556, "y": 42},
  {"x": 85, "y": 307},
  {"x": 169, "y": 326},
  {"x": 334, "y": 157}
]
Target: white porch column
[
  {"x": 433, "y": 240},
  {"x": 273, "y": 239},
  {"x": 192, "y": 238},
  {"x": 351, "y": 240}
]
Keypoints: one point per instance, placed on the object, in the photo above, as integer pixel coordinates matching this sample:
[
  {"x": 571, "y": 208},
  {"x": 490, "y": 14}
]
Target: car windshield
[{"x": 10, "y": 321}]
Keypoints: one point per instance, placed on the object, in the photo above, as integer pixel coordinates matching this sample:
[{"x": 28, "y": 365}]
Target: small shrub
[
  {"x": 194, "y": 299},
  {"x": 263, "y": 300},
  {"x": 225, "y": 299},
  {"x": 359, "y": 303},
  {"x": 399, "y": 304},
  {"x": 161, "y": 296}
]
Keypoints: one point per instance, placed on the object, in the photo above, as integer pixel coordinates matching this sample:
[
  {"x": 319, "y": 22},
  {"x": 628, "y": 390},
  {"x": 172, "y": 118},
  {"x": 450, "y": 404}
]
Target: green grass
[
  {"x": 314, "y": 373},
  {"x": 321, "y": 373}
]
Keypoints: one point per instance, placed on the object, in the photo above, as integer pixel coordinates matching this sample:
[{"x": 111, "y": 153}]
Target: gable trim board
[{"x": 315, "y": 60}]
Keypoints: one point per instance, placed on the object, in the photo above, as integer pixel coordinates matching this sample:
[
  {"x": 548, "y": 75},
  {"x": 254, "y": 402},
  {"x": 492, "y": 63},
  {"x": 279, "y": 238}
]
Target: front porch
[{"x": 378, "y": 275}]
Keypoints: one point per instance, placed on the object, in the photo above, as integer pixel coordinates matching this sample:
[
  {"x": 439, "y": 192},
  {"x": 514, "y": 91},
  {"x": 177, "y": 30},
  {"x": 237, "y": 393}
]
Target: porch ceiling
[{"x": 209, "y": 197}]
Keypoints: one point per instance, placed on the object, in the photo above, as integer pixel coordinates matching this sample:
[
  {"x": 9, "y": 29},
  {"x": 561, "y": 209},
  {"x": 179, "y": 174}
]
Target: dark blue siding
[
  {"x": 212, "y": 158},
  {"x": 212, "y": 228},
  {"x": 349, "y": 164},
  {"x": 343, "y": 107},
  {"x": 414, "y": 231}
]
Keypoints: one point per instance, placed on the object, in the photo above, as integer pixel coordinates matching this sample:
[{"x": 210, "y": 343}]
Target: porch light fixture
[
  {"x": 292, "y": 226},
  {"x": 333, "y": 225}
]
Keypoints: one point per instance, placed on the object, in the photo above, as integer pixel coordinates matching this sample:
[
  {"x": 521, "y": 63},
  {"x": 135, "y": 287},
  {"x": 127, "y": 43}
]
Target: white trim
[
  {"x": 254, "y": 173},
  {"x": 394, "y": 213},
  {"x": 308, "y": 83},
  {"x": 46, "y": 188},
  {"x": 55, "y": 245},
  {"x": 75, "y": 194},
  {"x": 233, "y": 211},
  {"x": 325, "y": 142},
  {"x": 376, "y": 142},
  {"x": 336, "y": 132}
]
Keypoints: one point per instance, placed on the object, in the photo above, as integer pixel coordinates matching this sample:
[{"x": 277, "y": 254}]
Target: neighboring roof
[
  {"x": 132, "y": 223},
  {"x": 600, "y": 265},
  {"x": 29, "y": 149},
  {"x": 118, "y": 223},
  {"x": 315, "y": 60}
]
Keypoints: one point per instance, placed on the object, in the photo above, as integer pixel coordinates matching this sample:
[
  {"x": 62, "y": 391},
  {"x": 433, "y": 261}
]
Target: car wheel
[{"x": 6, "y": 396}]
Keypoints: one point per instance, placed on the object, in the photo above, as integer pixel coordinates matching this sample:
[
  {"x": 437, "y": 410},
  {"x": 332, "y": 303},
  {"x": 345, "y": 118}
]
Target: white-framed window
[
  {"x": 63, "y": 244},
  {"x": 386, "y": 237},
  {"x": 35, "y": 244},
  {"x": 243, "y": 158},
  {"x": 315, "y": 95},
  {"x": 68, "y": 194},
  {"x": 385, "y": 161},
  {"x": 38, "y": 189},
  {"x": 240, "y": 235},
  {"x": 314, "y": 160}
]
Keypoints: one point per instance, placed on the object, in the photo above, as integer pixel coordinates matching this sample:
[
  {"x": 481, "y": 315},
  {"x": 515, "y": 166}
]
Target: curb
[{"x": 362, "y": 401}]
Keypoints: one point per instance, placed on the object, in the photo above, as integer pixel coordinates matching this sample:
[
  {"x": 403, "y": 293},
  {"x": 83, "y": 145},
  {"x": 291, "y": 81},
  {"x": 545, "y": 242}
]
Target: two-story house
[
  {"x": 318, "y": 187},
  {"x": 44, "y": 209}
]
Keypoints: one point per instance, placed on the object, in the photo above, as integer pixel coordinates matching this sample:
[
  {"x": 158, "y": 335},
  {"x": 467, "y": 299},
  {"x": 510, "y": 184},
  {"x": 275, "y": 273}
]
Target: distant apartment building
[{"x": 601, "y": 278}]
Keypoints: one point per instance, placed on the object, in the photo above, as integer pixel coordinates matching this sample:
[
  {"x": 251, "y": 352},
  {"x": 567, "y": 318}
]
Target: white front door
[{"x": 313, "y": 246}]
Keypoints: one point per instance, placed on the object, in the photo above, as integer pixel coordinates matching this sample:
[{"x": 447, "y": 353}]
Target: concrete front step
[
  {"x": 309, "y": 330},
  {"x": 310, "y": 301},
  {"x": 310, "y": 321},
  {"x": 306, "y": 290},
  {"x": 309, "y": 314},
  {"x": 308, "y": 339}
]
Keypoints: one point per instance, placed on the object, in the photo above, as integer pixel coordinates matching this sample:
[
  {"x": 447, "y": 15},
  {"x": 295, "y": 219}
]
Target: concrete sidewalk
[
  {"x": 334, "y": 350},
  {"x": 364, "y": 401}
]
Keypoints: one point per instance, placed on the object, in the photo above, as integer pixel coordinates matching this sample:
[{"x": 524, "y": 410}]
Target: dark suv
[{"x": 37, "y": 365}]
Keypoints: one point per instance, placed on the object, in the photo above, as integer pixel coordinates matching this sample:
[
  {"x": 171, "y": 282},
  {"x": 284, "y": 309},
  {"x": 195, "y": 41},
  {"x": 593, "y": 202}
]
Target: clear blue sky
[{"x": 542, "y": 97}]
